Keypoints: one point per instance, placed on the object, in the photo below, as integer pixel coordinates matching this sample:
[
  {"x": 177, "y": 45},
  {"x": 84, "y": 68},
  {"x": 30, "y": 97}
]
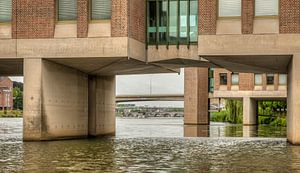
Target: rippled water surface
[{"x": 153, "y": 145}]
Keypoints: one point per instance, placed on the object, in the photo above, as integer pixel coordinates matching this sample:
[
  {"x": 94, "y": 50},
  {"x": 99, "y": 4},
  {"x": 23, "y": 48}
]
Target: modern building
[
  {"x": 70, "y": 50},
  {"x": 6, "y": 93},
  {"x": 248, "y": 87}
]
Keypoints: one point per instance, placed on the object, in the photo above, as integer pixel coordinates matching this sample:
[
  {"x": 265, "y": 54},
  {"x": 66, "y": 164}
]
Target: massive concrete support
[
  {"x": 101, "y": 105},
  {"x": 196, "y": 96},
  {"x": 249, "y": 111},
  {"x": 55, "y": 101},
  {"x": 293, "y": 118}
]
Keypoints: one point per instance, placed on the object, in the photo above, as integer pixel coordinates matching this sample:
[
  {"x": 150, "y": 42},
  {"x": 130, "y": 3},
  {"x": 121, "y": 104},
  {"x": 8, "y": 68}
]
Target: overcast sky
[{"x": 147, "y": 84}]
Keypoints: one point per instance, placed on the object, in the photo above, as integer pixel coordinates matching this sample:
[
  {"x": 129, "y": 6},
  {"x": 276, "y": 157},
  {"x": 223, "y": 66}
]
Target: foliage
[
  {"x": 11, "y": 114},
  {"x": 18, "y": 98},
  {"x": 270, "y": 112}
]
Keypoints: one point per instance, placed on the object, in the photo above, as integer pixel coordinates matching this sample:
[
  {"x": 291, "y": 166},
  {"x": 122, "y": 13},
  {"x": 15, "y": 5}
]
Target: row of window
[
  {"x": 232, "y": 8},
  {"x": 172, "y": 21},
  {"x": 66, "y": 10},
  {"x": 258, "y": 79}
]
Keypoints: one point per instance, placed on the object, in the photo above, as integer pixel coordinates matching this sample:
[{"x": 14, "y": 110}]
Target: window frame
[
  {"x": 238, "y": 79},
  {"x": 270, "y": 75},
  {"x": 168, "y": 42},
  {"x": 65, "y": 21},
  {"x": 97, "y": 20},
  {"x": 280, "y": 84},
  {"x": 228, "y": 17},
  {"x": 267, "y": 16},
  {"x": 261, "y": 76},
  {"x": 226, "y": 79},
  {"x": 11, "y": 16}
]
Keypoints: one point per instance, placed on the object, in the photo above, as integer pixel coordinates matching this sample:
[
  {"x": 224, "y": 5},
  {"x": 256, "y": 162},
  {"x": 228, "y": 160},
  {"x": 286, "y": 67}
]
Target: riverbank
[
  {"x": 223, "y": 116},
  {"x": 11, "y": 114}
]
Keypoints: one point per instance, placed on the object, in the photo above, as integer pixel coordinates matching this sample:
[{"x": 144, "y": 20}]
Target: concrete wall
[
  {"x": 293, "y": 105},
  {"x": 55, "y": 101},
  {"x": 102, "y": 95}
]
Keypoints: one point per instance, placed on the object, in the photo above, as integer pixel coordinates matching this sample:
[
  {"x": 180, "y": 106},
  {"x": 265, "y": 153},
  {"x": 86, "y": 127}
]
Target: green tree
[{"x": 18, "y": 98}]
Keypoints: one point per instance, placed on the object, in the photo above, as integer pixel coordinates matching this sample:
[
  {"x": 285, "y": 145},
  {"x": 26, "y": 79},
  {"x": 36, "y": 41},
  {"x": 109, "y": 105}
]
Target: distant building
[{"x": 6, "y": 93}]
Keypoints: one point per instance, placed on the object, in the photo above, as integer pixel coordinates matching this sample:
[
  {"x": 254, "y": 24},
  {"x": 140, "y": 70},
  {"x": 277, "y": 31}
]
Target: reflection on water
[{"x": 153, "y": 145}]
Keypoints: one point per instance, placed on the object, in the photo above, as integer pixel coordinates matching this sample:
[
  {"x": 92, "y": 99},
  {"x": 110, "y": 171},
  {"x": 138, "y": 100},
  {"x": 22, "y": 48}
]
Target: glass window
[
  {"x": 176, "y": 21},
  {"x": 152, "y": 22},
  {"x": 5, "y": 10},
  {"x": 229, "y": 8},
  {"x": 235, "y": 79},
  {"x": 282, "y": 79},
  {"x": 270, "y": 79},
  {"x": 223, "y": 78},
  {"x": 101, "y": 9},
  {"x": 173, "y": 22},
  {"x": 163, "y": 20},
  {"x": 258, "y": 79},
  {"x": 183, "y": 21},
  {"x": 67, "y": 10},
  {"x": 193, "y": 20},
  {"x": 266, "y": 7}
]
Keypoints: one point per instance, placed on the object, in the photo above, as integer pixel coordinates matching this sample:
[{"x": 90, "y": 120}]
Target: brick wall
[
  {"x": 246, "y": 81},
  {"x": 289, "y": 21},
  {"x": 247, "y": 16},
  {"x": 6, "y": 83},
  {"x": 217, "y": 72},
  {"x": 83, "y": 18},
  {"x": 207, "y": 17},
  {"x": 137, "y": 20},
  {"x": 119, "y": 18},
  {"x": 33, "y": 19}
]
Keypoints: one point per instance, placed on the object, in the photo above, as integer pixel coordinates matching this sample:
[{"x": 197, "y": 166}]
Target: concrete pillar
[
  {"x": 102, "y": 105},
  {"x": 293, "y": 117},
  {"x": 55, "y": 101},
  {"x": 196, "y": 96},
  {"x": 249, "y": 111}
]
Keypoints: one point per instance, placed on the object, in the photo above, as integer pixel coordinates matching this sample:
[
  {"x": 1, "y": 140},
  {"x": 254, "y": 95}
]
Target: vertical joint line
[
  {"x": 178, "y": 22},
  {"x": 157, "y": 23},
  {"x": 168, "y": 24},
  {"x": 146, "y": 25},
  {"x": 188, "y": 23}
]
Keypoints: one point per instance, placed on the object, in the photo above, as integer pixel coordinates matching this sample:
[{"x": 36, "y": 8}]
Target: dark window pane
[
  {"x": 223, "y": 78},
  {"x": 270, "y": 79},
  {"x": 152, "y": 22}
]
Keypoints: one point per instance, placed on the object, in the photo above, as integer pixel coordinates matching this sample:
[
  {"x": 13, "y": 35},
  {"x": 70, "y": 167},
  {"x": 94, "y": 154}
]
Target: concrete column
[
  {"x": 196, "y": 131},
  {"x": 293, "y": 117},
  {"x": 55, "y": 101},
  {"x": 102, "y": 105},
  {"x": 196, "y": 96},
  {"x": 249, "y": 111}
]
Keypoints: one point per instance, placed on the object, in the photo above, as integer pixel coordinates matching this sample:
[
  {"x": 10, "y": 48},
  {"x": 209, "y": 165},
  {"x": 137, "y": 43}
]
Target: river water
[{"x": 154, "y": 145}]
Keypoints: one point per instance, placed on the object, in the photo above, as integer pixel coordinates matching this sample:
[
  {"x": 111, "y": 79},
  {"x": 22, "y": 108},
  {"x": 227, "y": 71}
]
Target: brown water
[{"x": 153, "y": 145}]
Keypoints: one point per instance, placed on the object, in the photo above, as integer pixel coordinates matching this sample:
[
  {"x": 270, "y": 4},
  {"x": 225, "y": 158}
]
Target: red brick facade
[
  {"x": 6, "y": 94},
  {"x": 207, "y": 17},
  {"x": 246, "y": 80},
  {"x": 83, "y": 18},
  {"x": 119, "y": 18},
  {"x": 33, "y": 19},
  {"x": 247, "y": 16},
  {"x": 289, "y": 21},
  {"x": 137, "y": 20}
]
